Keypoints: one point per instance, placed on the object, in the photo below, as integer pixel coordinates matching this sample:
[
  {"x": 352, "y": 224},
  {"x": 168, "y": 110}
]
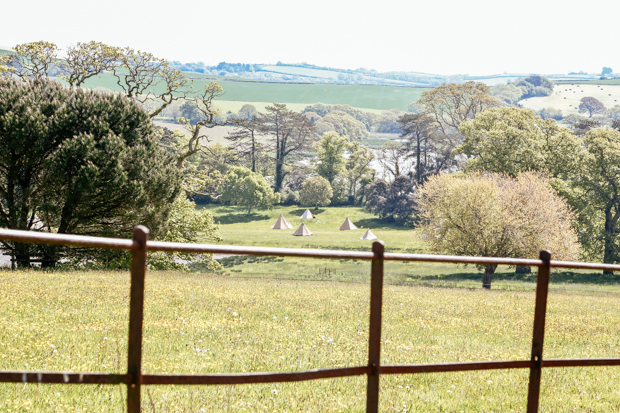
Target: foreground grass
[{"x": 198, "y": 323}]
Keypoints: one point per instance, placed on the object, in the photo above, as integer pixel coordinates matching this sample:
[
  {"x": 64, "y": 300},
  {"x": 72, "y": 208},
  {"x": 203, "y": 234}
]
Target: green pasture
[
  {"x": 201, "y": 323},
  {"x": 375, "y": 97}
]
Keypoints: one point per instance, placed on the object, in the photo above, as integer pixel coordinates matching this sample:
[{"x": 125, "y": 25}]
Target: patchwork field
[
  {"x": 198, "y": 323},
  {"x": 567, "y": 96},
  {"x": 360, "y": 96}
]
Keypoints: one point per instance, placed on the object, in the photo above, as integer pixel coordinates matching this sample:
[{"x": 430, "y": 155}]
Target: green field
[
  {"x": 360, "y": 96},
  {"x": 199, "y": 323}
]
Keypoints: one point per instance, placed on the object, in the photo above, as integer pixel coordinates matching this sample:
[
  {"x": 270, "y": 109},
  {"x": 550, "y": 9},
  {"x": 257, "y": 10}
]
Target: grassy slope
[
  {"x": 210, "y": 324},
  {"x": 567, "y": 97}
]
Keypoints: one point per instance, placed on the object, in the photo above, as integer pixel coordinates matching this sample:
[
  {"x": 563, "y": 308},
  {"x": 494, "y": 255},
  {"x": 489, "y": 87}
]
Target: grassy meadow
[
  {"x": 566, "y": 97},
  {"x": 204, "y": 323},
  {"x": 237, "y": 228}
]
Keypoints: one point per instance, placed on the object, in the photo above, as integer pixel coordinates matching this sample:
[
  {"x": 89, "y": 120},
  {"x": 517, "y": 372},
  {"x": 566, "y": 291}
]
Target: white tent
[
  {"x": 282, "y": 223},
  {"x": 303, "y": 231},
  {"x": 347, "y": 225},
  {"x": 307, "y": 215},
  {"x": 369, "y": 235}
]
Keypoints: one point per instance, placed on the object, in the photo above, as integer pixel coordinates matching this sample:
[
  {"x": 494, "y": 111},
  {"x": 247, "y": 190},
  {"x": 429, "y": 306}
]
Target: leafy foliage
[
  {"x": 394, "y": 201},
  {"x": 511, "y": 141},
  {"x": 494, "y": 215},
  {"x": 75, "y": 161},
  {"x": 246, "y": 188},
  {"x": 315, "y": 191}
]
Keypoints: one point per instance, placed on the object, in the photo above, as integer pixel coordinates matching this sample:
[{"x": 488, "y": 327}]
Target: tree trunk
[
  {"x": 521, "y": 269},
  {"x": 253, "y": 153},
  {"x": 279, "y": 176},
  {"x": 489, "y": 270},
  {"x": 609, "y": 255},
  {"x": 249, "y": 210},
  {"x": 418, "y": 163}
]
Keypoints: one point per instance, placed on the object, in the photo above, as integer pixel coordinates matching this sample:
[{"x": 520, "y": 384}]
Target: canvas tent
[
  {"x": 307, "y": 215},
  {"x": 369, "y": 235},
  {"x": 282, "y": 223},
  {"x": 347, "y": 225},
  {"x": 302, "y": 231}
]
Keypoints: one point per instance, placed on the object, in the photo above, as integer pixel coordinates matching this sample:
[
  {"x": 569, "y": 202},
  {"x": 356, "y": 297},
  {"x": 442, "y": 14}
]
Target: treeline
[{"x": 468, "y": 171}]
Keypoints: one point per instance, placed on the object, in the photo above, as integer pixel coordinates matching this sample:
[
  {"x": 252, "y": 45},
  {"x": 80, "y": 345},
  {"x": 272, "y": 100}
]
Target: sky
[{"x": 476, "y": 37}]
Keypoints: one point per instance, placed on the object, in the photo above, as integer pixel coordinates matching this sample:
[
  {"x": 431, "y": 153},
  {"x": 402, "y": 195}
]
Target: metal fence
[{"x": 134, "y": 379}]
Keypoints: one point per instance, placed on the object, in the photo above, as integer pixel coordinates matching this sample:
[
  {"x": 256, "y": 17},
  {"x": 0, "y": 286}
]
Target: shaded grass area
[
  {"x": 239, "y": 229},
  {"x": 200, "y": 323}
]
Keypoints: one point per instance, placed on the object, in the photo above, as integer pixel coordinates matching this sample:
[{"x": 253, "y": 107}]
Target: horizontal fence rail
[{"x": 135, "y": 379}]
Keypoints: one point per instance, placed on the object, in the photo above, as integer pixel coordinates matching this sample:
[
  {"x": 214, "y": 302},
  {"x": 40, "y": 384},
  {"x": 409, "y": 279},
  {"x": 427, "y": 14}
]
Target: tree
[
  {"x": 245, "y": 136},
  {"x": 492, "y": 215},
  {"x": 86, "y": 60},
  {"x": 394, "y": 202},
  {"x": 292, "y": 135},
  {"x": 420, "y": 129},
  {"x": 245, "y": 188},
  {"x": 330, "y": 150},
  {"x": 512, "y": 141},
  {"x": 451, "y": 104},
  {"x": 247, "y": 112},
  {"x": 595, "y": 191},
  {"x": 591, "y": 105},
  {"x": 31, "y": 59},
  {"x": 315, "y": 191},
  {"x": 358, "y": 168},
  {"x": 585, "y": 125},
  {"x": 343, "y": 124},
  {"x": 144, "y": 77},
  {"x": 394, "y": 158},
  {"x": 78, "y": 162}
]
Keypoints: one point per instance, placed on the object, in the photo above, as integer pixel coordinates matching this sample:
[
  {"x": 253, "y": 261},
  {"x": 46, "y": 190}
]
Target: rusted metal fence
[{"x": 134, "y": 379}]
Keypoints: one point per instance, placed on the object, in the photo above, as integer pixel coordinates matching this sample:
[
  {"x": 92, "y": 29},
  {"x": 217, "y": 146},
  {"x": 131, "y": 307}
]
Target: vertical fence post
[
  {"x": 538, "y": 337},
  {"x": 374, "y": 333},
  {"x": 136, "y": 314}
]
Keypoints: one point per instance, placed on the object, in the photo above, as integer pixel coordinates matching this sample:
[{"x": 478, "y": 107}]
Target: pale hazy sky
[{"x": 434, "y": 36}]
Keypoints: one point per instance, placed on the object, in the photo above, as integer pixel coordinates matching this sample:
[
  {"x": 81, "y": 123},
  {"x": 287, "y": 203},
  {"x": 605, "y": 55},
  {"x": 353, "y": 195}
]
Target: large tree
[
  {"x": 420, "y": 130},
  {"x": 492, "y": 215},
  {"x": 30, "y": 60},
  {"x": 511, "y": 140},
  {"x": 245, "y": 188},
  {"x": 591, "y": 105},
  {"x": 452, "y": 104},
  {"x": 358, "y": 169},
  {"x": 315, "y": 191},
  {"x": 292, "y": 135},
  {"x": 330, "y": 150},
  {"x": 394, "y": 202},
  {"x": 75, "y": 161},
  {"x": 595, "y": 192}
]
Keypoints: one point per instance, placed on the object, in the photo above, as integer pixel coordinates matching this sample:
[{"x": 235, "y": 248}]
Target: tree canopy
[
  {"x": 245, "y": 188},
  {"x": 591, "y": 105},
  {"x": 75, "y": 161},
  {"x": 315, "y": 191},
  {"x": 511, "y": 140}
]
